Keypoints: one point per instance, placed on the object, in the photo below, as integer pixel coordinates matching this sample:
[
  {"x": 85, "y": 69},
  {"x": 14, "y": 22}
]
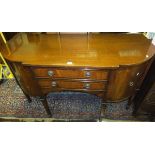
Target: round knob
[
  {"x": 87, "y": 85},
  {"x": 137, "y": 74},
  {"x": 87, "y": 74},
  {"x": 54, "y": 83},
  {"x": 50, "y": 73},
  {"x": 131, "y": 84}
]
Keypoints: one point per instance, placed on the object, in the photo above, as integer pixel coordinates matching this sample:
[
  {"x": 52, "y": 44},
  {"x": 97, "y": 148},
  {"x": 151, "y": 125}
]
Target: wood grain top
[{"x": 89, "y": 50}]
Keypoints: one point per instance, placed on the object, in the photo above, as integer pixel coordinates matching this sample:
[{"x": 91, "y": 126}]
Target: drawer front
[
  {"x": 71, "y": 84},
  {"x": 70, "y": 73}
]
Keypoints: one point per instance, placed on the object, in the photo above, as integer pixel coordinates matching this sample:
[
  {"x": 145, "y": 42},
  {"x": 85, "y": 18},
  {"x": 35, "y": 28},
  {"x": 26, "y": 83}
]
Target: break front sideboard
[{"x": 109, "y": 65}]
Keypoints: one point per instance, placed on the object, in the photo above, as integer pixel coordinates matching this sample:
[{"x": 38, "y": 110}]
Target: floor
[{"x": 68, "y": 106}]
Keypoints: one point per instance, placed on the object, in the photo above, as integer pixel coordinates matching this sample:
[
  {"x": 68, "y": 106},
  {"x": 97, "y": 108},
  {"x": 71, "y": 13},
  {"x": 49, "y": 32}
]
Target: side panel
[
  {"x": 25, "y": 79},
  {"x": 124, "y": 81}
]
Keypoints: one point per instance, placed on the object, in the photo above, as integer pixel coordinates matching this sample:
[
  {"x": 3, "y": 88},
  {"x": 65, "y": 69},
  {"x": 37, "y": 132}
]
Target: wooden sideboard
[{"x": 108, "y": 65}]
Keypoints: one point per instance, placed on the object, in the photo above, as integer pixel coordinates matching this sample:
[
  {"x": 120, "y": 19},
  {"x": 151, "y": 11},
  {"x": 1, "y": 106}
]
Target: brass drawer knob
[
  {"x": 87, "y": 85},
  {"x": 131, "y": 84},
  {"x": 54, "y": 84},
  {"x": 50, "y": 73},
  {"x": 87, "y": 74},
  {"x": 137, "y": 74}
]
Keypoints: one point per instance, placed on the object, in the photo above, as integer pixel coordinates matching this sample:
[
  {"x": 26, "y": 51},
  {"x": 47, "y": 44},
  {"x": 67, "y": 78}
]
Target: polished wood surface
[{"x": 97, "y": 50}]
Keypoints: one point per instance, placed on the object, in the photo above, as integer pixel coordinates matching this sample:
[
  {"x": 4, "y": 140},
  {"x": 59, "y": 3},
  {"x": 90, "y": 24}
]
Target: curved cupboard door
[{"x": 125, "y": 80}]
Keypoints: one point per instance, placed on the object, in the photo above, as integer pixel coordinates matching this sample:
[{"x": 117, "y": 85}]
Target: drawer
[
  {"x": 70, "y": 73},
  {"x": 66, "y": 84}
]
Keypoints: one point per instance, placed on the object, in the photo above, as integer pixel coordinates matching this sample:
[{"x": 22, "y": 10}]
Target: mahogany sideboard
[{"x": 108, "y": 65}]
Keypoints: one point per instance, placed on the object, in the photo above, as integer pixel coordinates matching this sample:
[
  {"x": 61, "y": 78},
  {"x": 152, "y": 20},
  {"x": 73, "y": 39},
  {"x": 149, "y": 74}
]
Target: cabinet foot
[
  {"x": 45, "y": 104},
  {"x": 103, "y": 109},
  {"x": 28, "y": 98},
  {"x": 129, "y": 103}
]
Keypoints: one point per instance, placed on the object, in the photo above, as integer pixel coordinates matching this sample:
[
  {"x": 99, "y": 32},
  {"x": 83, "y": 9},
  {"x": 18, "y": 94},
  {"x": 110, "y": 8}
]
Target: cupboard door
[{"x": 125, "y": 81}]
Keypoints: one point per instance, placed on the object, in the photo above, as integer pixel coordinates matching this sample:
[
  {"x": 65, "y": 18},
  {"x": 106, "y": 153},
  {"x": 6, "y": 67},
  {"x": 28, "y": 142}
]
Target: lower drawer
[{"x": 90, "y": 85}]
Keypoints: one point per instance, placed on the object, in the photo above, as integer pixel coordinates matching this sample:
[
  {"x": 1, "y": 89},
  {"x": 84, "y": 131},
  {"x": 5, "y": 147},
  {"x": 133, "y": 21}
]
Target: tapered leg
[
  {"x": 45, "y": 104},
  {"x": 129, "y": 103},
  {"x": 103, "y": 108}
]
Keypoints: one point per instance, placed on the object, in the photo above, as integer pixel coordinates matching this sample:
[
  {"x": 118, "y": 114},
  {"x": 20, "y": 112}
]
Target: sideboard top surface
[{"x": 92, "y": 49}]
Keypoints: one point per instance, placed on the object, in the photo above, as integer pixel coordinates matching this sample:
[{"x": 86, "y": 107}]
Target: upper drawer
[{"x": 70, "y": 73}]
